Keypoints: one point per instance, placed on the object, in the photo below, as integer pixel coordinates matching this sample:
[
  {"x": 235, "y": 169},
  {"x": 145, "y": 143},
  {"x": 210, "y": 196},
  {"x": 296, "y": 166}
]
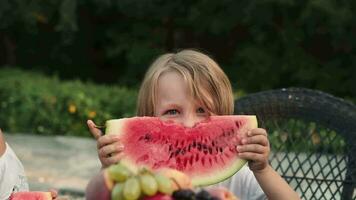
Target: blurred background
[{"x": 65, "y": 61}]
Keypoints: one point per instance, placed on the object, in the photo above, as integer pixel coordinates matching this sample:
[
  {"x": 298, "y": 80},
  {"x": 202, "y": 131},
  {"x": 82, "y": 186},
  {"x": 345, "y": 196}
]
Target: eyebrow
[{"x": 170, "y": 105}]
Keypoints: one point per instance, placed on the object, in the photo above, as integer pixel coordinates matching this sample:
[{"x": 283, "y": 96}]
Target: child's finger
[
  {"x": 54, "y": 193},
  {"x": 110, "y": 149},
  {"x": 257, "y": 139},
  {"x": 113, "y": 159},
  {"x": 255, "y": 148},
  {"x": 256, "y": 157},
  {"x": 107, "y": 139},
  {"x": 93, "y": 130},
  {"x": 257, "y": 131}
]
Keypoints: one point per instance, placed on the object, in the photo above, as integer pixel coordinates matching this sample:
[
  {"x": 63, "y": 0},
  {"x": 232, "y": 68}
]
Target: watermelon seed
[
  {"x": 205, "y": 147},
  {"x": 237, "y": 124},
  {"x": 199, "y": 146},
  {"x": 177, "y": 152},
  {"x": 182, "y": 143},
  {"x": 147, "y": 137},
  {"x": 217, "y": 149},
  {"x": 191, "y": 160},
  {"x": 194, "y": 144},
  {"x": 170, "y": 148},
  {"x": 212, "y": 143},
  {"x": 221, "y": 149},
  {"x": 196, "y": 157},
  {"x": 170, "y": 155},
  {"x": 183, "y": 151},
  {"x": 189, "y": 147},
  {"x": 203, "y": 161},
  {"x": 210, "y": 150}
]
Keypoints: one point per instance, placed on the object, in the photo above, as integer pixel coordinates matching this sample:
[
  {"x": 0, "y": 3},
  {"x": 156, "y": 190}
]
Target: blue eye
[
  {"x": 171, "y": 112},
  {"x": 200, "y": 110}
]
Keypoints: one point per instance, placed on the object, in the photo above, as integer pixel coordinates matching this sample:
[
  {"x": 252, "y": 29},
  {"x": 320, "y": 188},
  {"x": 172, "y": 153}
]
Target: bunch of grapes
[
  {"x": 132, "y": 186},
  {"x": 188, "y": 194}
]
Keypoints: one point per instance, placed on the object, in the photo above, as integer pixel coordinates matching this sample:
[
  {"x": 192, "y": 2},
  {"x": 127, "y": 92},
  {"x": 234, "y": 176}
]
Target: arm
[
  {"x": 109, "y": 146},
  {"x": 255, "y": 148},
  {"x": 2, "y": 144}
]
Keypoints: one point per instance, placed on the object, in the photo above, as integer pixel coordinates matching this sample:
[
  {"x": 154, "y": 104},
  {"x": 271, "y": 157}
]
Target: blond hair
[{"x": 206, "y": 80}]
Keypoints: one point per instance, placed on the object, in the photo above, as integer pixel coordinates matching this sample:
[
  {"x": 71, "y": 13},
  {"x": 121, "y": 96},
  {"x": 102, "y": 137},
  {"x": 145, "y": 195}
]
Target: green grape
[
  {"x": 148, "y": 183},
  {"x": 164, "y": 184},
  {"x": 116, "y": 193},
  {"x": 119, "y": 172},
  {"x": 131, "y": 190}
]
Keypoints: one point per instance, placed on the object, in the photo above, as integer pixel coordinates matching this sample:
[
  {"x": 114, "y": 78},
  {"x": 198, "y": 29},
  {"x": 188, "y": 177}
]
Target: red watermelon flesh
[
  {"x": 207, "y": 152},
  {"x": 31, "y": 196}
]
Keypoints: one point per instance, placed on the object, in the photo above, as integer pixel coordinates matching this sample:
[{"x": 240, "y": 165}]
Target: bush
[{"x": 32, "y": 102}]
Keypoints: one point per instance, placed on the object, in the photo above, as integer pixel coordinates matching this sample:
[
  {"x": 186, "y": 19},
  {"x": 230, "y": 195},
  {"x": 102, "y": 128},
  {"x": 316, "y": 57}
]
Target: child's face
[{"x": 175, "y": 103}]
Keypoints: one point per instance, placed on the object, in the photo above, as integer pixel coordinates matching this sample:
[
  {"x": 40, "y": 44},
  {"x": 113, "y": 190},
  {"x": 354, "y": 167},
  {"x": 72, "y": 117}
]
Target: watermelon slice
[
  {"x": 207, "y": 152},
  {"x": 34, "y": 195}
]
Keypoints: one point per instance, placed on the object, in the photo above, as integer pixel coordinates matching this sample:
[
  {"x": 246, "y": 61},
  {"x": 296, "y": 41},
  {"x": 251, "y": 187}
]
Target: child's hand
[
  {"x": 54, "y": 193},
  {"x": 255, "y": 148},
  {"x": 109, "y": 146}
]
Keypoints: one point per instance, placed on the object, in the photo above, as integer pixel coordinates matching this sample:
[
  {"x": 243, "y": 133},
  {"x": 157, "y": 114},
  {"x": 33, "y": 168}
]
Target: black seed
[
  {"x": 199, "y": 146},
  {"x": 221, "y": 149},
  {"x": 212, "y": 143},
  {"x": 196, "y": 158},
  {"x": 189, "y": 147},
  {"x": 171, "y": 155},
  {"x": 194, "y": 144},
  {"x": 217, "y": 149},
  {"x": 170, "y": 148},
  {"x": 191, "y": 160},
  {"x": 210, "y": 150},
  {"x": 177, "y": 152}
]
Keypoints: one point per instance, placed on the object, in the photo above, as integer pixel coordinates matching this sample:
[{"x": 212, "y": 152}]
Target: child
[
  {"x": 12, "y": 174},
  {"x": 187, "y": 87}
]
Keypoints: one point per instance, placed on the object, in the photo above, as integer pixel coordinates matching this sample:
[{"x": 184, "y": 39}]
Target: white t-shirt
[
  {"x": 12, "y": 174},
  {"x": 244, "y": 185}
]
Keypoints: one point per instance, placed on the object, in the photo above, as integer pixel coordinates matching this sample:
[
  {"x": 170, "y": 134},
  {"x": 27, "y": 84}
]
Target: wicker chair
[{"x": 313, "y": 139}]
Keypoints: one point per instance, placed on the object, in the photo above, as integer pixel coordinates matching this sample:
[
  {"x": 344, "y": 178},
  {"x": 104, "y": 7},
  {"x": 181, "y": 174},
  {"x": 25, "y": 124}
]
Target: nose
[{"x": 190, "y": 121}]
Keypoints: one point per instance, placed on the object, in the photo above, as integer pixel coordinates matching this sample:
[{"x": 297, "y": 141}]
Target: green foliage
[
  {"x": 260, "y": 44},
  {"x": 32, "y": 102}
]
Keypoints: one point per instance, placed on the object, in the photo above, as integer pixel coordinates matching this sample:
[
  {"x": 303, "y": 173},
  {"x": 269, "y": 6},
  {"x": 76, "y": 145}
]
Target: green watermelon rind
[
  {"x": 221, "y": 176},
  {"x": 196, "y": 181}
]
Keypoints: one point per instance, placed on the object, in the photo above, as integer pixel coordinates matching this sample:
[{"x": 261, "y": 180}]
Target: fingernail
[
  {"x": 238, "y": 148},
  {"x": 249, "y": 133}
]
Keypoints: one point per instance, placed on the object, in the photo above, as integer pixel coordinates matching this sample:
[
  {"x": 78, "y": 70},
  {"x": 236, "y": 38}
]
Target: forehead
[
  {"x": 175, "y": 88},
  {"x": 171, "y": 86}
]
